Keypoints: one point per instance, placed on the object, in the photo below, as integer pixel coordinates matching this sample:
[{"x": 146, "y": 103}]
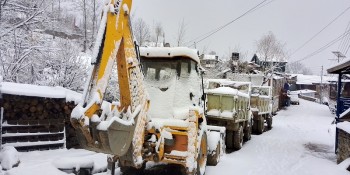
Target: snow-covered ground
[{"x": 301, "y": 142}]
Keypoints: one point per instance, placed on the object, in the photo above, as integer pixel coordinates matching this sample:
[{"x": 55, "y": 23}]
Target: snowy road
[{"x": 300, "y": 143}]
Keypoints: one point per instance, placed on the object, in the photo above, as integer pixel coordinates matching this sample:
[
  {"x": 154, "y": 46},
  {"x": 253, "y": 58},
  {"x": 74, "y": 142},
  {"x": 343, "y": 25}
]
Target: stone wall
[{"x": 343, "y": 145}]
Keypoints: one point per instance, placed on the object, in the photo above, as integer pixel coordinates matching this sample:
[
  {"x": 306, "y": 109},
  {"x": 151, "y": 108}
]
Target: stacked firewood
[
  {"x": 35, "y": 108},
  {"x": 50, "y": 113}
]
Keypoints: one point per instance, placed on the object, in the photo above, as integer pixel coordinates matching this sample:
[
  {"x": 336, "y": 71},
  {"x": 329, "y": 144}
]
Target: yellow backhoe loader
[{"x": 160, "y": 114}]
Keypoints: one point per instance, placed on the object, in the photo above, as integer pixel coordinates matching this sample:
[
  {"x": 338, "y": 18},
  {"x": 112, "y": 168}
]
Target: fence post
[{"x": 1, "y": 120}]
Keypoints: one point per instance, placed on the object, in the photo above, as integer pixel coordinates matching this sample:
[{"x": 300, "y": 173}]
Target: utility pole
[
  {"x": 339, "y": 55},
  {"x": 321, "y": 86}
]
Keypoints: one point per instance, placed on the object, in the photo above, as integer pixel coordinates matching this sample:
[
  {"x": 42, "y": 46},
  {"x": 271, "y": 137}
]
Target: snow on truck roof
[
  {"x": 226, "y": 91},
  {"x": 169, "y": 52},
  {"x": 229, "y": 82},
  {"x": 39, "y": 91}
]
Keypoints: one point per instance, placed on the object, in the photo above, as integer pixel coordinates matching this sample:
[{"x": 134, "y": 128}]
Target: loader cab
[{"x": 173, "y": 81}]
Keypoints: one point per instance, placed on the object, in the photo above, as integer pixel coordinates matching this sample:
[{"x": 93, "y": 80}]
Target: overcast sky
[{"x": 292, "y": 21}]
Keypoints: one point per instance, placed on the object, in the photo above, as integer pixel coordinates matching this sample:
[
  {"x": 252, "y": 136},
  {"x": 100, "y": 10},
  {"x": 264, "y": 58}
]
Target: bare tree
[
  {"x": 158, "y": 31},
  {"x": 93, "y": 20},
  {"x": 141, "y": 31},
  {"x": 17, "y": 44},
  {"x": 181, "y": 33},
  {"x": 269, "y": 49},
  {"x": 298, "y": 68},
  {"x": 85, "y": 23}
]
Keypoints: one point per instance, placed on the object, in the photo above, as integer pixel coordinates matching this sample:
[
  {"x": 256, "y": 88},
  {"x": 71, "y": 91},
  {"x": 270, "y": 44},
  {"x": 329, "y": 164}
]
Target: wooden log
[
  {"x": 32, "y": 109},
  {"x": 7, "y": 106},
  {"x": 34, "y": 102},
  {"x": 26, "y": 106},
  {"x": 40, "y": 108}
]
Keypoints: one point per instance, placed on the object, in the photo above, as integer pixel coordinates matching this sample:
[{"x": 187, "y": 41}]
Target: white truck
[
  {"x": 228, "y": 105},
  {"x": 261, "y": 107}
]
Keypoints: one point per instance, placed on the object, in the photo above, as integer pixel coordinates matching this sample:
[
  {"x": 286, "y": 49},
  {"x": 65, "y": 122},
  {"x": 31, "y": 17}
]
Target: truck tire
[
  {"x": 269, "y": 122},
  {"x": 229, "y": 139},
  {"x": 259, "y": 126},
  {"x": 202, "y": 156},
  {"x": 248, "y": 132},
  {"x": 238, "y": 139},
  {"x": 213, "y": 158}
]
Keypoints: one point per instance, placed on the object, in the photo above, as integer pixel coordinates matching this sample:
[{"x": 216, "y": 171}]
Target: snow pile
[
  {"x": 9, "y": 157},
  {"x": 345, "y": 126},
  {"x": 344, "y": 113},
  {"x": 169, "y": 52},
  {"x": 73, "y": 163},
  {"x": 226, "y": 91},
  {"x": 44, "y": 162},
  {"x": 313, "y": 79},
  {"x": 345, "y": 164},
  {"x": 178, "y": 153},
  {"x": 67, "y": 163},
  {"x": 255, "y": 79},
  {"x": 213, "y": 140},
  {"x": 39, "y": 91},
  {"x": 303, "y": 91},
  {"x": 214, "y": 112},
  {"x": 127, "y": 119},
  {"x": 191, "y": 162},
  {"x": 158, "y": 123},
  {"x": 227, "y": 114}
]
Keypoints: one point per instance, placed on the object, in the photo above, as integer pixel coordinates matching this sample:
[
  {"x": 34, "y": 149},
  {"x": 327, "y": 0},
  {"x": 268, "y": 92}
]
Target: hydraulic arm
[{"x": 117, "y": 129}]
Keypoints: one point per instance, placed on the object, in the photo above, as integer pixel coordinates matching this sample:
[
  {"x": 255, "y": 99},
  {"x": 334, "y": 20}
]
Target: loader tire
[
  {"x": 202, "y": 156},
  {"x": 126, "y": 170},
  {"x": 213, "y": 158},
  {"x": 238, "y": 139}
]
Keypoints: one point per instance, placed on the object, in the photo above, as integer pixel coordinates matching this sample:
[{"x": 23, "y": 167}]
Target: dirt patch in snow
[{"x": 321, "y": 151}]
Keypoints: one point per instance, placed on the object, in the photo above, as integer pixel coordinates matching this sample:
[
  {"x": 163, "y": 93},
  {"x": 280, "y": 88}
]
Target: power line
[
  {"x": 347, "y": 50},
  {"x": 314, "y": 36},
  {"x": 325, "y": 46},
  {"x": 347, "y": 43},
  {"x": 344, "y": 43},
  {"x": 208, "y": 34}
]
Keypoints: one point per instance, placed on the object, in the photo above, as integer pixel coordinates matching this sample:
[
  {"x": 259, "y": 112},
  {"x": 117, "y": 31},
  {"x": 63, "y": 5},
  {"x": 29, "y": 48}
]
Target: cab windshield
[{"x": 167, "y": 69}]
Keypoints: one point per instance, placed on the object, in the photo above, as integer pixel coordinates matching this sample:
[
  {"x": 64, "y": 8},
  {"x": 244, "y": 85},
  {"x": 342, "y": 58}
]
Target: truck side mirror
[{"x": 203, "y": 97}]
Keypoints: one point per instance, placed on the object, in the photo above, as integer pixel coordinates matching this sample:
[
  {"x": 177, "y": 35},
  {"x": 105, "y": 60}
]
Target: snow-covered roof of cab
[{"x": 169, "y": 52}]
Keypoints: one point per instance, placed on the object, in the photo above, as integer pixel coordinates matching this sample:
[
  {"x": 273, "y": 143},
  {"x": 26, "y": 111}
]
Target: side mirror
[{"x": 203, "y": 97}]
